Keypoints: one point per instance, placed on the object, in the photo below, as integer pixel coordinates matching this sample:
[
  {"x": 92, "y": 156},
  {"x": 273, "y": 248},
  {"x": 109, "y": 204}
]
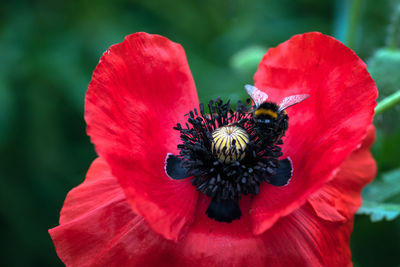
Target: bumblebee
[{"x": 271, "y": 119}]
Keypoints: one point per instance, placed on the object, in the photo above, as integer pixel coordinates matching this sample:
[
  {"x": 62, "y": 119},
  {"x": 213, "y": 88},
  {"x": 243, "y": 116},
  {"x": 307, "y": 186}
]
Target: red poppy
[{"x": 128, "y": 212}]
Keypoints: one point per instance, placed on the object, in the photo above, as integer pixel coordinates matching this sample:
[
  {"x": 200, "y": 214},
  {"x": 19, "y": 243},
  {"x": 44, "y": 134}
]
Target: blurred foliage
[
  {"x": 49, "y": 49},
  {"x": 381, "y": 199},
  {"x": 380, "y": 211},
  {"x": 385, "y": 188},
  {"x": 245, "y": 61},
  {"x": 384, "y": 66}
]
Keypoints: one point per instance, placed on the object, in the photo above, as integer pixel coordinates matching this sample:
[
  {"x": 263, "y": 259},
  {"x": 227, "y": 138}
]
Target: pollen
[{"x": 229, "y": 143}]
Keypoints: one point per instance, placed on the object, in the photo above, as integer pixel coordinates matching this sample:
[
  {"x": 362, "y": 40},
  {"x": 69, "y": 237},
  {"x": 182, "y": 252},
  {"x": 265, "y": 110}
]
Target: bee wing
[
  {"x": 256, "y": 95},
  {"x": 291, "y": 100}
]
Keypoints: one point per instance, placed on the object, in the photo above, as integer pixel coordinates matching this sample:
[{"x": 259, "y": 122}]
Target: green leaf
[
  {"x": 385, "y": 188},
  {"x": 379, "y": 191},
  {"x": 380, "y": 211},
  {"x": 384, "y": 66}
]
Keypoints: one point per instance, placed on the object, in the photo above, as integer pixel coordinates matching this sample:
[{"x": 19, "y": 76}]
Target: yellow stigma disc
[
  {"x": 263, "y": 111},
  {"x": 229, "y": 143}
]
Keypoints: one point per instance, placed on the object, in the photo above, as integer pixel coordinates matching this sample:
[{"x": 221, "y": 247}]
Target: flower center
[
  {"x": 228, "y": 153},
  {"x": 229, "y": 143}
]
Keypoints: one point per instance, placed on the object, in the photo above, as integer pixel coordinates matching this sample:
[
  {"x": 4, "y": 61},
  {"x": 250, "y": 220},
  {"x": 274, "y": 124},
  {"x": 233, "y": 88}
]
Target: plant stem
[
  {"x": 352, "y": 22},
  {"x": 388, "y": 103},
  {"x": 394, "y": 30}
]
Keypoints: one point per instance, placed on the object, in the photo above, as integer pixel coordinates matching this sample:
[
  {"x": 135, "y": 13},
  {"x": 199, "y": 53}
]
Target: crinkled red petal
[
  {"x": 140, "y": 89},
  {"x": 98, "y": 190},
  {"x": 92, "y": 211},
  {"x": 340, "y": 198},
  {"x": 323, "y": 129},
  {"x": 106, "y": 232},
  {"x": 299, "y": 239}
]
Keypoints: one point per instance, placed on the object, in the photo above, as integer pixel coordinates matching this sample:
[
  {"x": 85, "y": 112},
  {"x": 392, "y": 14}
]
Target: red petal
[
  {"x": 303, "y": 239},
  {"x": 325, "y": 128},
  {"x": 103, "y": 230},
  {"x": 110, "y": 234},
  {"x": 99, "y": 189},
  {"x": 141, "y": 88},
  {"x": 340, "y": 198},
  {"x": 88, "y": 212},
  {"x": 299, "y": 239}
]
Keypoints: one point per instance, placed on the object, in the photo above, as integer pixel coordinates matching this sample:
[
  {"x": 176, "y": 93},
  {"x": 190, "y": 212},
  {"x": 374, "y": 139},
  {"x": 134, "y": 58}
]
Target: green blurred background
[{"x": 50, "y": 48}]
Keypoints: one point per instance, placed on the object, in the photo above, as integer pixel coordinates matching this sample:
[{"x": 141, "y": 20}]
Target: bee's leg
[
  {"x": 224, "y": 210},
  {"x": 174, "y": 169},
  {"x": 283, "y": 173}
]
